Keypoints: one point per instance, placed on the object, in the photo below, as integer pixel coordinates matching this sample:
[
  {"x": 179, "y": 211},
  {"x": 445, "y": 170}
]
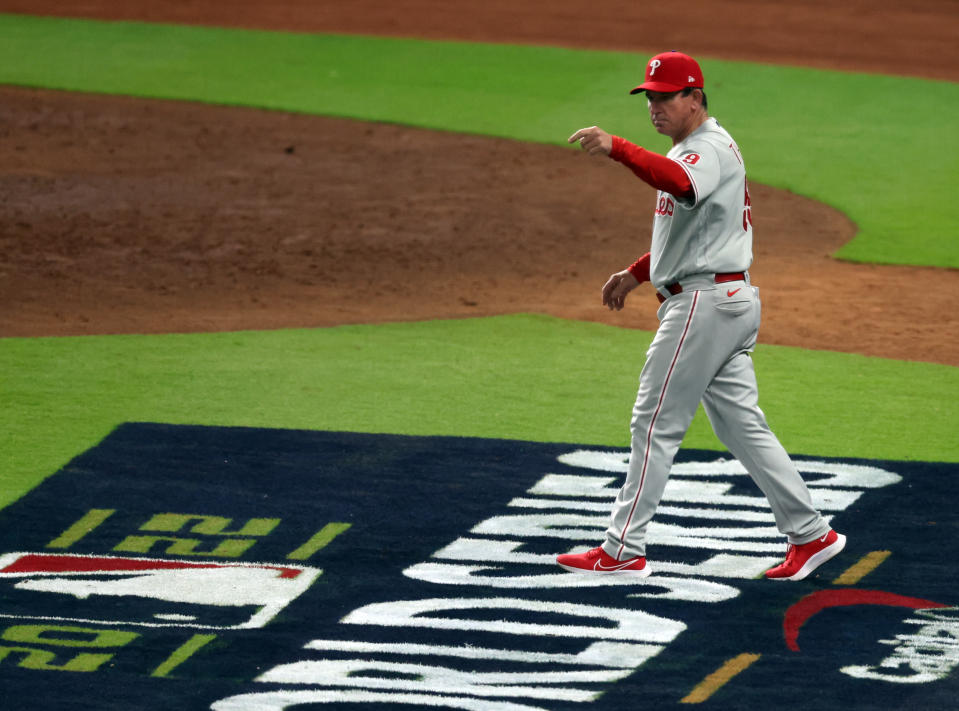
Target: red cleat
[
  {"x": 599, "y": 561},
  {"x": 802, "y": 560}
]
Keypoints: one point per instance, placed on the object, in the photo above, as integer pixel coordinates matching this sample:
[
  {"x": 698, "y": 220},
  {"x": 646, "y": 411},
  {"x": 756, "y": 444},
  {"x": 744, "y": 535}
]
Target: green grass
[
  {"x": 522, "y": 377},
  {"x": 878, "y": 148}
]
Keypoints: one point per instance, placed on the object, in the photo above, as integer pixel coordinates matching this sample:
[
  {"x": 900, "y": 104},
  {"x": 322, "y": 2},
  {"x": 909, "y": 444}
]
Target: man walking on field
[{"x": 709, "y": 317}]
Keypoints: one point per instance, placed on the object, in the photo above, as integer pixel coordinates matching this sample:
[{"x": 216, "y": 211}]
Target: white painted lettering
[
  {"x": 838, "y": 474},
  {"x": 281, "y": 700},
  {"x": 877, "y": 674},
  {"x": 628, "y": 625},
  {"x": 368, "y": 674},
  {"x": 678, "y": 491},
  {"x": 602, "y": 506},
  {"x": 727, "y": 534},
  {"x": 720, "y": 565},
  {"x": 582, "y": 527},
  {"x": 655, "y": 587},
  {"x": 570, "y": 526},
  {"x": 615, "y": 655},
  {"x": 928, "y": 655}
]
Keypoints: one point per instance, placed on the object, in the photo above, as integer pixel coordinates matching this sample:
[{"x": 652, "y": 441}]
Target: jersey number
[{"x": 747, "y": 211}]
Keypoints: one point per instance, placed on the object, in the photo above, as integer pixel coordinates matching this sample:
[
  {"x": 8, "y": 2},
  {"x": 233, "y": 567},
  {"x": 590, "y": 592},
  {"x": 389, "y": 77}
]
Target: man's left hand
[{"x": 616, "y": 289}]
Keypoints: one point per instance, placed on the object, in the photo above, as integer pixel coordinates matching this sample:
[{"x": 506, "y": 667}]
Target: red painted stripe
[
  {"x": 813, "y": 603},
  {"x": 652, "y": 423}
]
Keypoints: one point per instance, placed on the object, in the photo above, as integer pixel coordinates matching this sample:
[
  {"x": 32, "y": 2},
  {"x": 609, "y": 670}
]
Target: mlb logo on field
[{"x": 147, "y": 591}]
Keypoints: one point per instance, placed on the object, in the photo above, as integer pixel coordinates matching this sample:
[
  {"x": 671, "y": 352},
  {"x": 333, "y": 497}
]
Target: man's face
[{"x": 671, "y": 113}]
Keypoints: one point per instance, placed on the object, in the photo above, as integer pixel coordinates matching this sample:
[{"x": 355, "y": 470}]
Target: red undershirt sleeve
[
  {"x": 640, "y": 268},
  {"x": 657, "y": 170}
]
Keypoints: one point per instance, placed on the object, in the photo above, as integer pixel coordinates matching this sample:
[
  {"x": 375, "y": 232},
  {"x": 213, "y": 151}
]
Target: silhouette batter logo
[{"x": 211, "y": 595}]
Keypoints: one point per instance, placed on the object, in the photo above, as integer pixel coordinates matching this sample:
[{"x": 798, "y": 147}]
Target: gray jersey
[
  {"x": 712, "y": 232},
  {"x": 701, "y": 350}
]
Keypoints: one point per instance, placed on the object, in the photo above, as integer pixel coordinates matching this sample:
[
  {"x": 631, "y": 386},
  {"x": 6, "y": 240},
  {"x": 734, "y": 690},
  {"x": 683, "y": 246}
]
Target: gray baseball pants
[{"x": 701, "y": 354}]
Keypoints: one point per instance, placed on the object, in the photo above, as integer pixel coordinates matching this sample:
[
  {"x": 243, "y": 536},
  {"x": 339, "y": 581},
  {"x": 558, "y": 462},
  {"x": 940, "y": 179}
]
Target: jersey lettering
[{"x": 665, "y": 206}]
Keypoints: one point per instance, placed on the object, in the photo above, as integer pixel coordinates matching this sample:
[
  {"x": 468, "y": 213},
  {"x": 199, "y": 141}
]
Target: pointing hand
[{"x": 593, "y": 140}]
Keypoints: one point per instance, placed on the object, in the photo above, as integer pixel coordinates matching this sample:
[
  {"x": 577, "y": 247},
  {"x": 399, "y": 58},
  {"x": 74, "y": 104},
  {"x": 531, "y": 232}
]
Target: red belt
[{"x": 677, "y": 288}]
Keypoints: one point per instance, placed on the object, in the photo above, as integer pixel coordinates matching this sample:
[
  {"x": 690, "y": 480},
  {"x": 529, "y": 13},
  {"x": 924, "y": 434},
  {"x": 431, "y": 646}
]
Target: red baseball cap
[{"x": 671, "y": 71}]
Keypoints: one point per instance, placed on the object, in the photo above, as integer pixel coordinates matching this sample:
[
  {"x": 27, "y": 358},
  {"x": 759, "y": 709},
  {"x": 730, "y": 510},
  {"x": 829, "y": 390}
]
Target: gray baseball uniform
[{"x": 709, "y": 320}]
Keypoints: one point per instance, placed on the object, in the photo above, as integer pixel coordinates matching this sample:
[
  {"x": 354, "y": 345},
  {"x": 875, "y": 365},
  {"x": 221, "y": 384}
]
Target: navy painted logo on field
[{"x": 245, "y": 569}]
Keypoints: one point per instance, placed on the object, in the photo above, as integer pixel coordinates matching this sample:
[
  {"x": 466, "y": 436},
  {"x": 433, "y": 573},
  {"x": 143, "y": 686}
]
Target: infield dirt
[{"x": 124, "y": 215}]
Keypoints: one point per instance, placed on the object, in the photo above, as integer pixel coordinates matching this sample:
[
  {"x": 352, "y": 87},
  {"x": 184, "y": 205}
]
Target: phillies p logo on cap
[{"x": 671, "y": 71}]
